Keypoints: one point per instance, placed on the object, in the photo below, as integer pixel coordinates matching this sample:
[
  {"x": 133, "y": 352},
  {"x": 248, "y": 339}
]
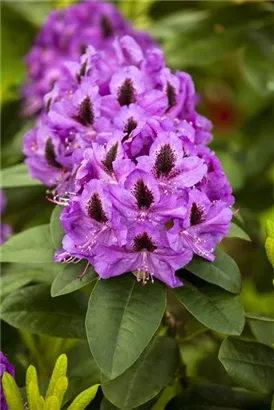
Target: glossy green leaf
[
  {"x": 262, "y": 328},
  {"x": 236, "y": 231},
  {"x": 17, "y": 176},
  {"x": 56, "y": 229},
  {"x": 249, "y": 364},
  {"x": 33, "y": 245},
  {"x": 223, "y": 272},
  {"x": 213, "y": 307},
  {"x": 67, "y": 280},
  {"x": 153, "y": 370},
  {"x": 33, "y": 309},
  {"x": 122, "y": 318}
]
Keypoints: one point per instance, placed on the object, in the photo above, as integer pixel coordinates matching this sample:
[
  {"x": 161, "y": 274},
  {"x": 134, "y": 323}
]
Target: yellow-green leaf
[
  {"x": 12, "y": 393},
  {"x": 269, "y": 247},
  {"x": 60, "y": 370},
  {"x": 84, "y": 398},
  {"x": 60, "y": 388},
  {"x": 34, "y": 396},
  {"x": 32, "y": 388},
  {"x": 52, "y": 403},
  {"x": 270, "y": 228}
]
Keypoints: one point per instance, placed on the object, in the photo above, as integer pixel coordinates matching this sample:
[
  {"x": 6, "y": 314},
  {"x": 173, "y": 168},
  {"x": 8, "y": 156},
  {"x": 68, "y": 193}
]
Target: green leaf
[
  {"x": 33, "y": 245},
  {"x": 212, "y": 306},
  {"x": 269, "y": 243},
  {"x": 9, "y": 283},
  {"x": 84, "y": 398},
  {"x": 237, "y": 232},
  {"x": 223, "y": 272},
  {"x": 35, "y": 14},
  {"x": 122, "y": 318},
  {"x": 272, "y": 406},
  {"x": 83, "y": 372},
  {"x": 52, "y": 403},
  {"x": 205, "y": 396},
  {"x": 249, "y": 364},
  {"x": 56, "y": 229},
  {"x": 270, "y": 228},
  {"x": 262, "y": 328},
  {"x": 67, "y": 280},
  {"x": 14, "y": 47},
  {"x": 154, "y": 370},
  {"x": 12, "y": 393},
  {"x": 33, "y": 309},
  {"x": 17, "y": 176}
]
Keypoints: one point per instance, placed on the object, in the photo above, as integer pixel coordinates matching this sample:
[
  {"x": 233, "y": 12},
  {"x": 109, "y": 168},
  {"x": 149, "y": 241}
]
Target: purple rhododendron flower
[
  {"x": 123, "y": 149},
  {"x": 65, "y": 36},
  {"x": 5, "y": 366},
  {"x": 5, "y": 229}
]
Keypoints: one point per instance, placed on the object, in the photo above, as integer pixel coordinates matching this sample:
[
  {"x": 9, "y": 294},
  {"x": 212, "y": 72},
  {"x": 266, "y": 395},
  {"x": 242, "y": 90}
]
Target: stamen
[
  {"x": 143, "y": 195},
  {"x": 84, "y": 272},
  {"x": 126, "y": 93}
]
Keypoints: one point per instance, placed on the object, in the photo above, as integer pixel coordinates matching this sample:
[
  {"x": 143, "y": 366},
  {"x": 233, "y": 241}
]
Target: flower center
[
  {"x": 165, "y": 161},
  {"x": 50, "y": 155},
  {"x": 85, "y": 115},
  {"x": 106, "y": 27},
  {"x": 110, "y": 157},
  {"x": 126, "y": 93},
  {"x": 95, "y": 209},
  {"x": 143, "y": 195},
  {"x": 196, "y": 214},
  {"x": 143, "y": 242}
]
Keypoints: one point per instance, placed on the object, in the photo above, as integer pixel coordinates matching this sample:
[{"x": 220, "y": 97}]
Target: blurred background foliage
[{"x": 228, "y": 48}]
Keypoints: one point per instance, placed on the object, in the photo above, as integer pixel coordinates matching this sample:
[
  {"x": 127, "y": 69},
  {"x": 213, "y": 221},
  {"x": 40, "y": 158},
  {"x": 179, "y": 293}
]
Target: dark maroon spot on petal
[
  {"x": 48, "y": 104},
  {"x": 165, "y": 161},
  {"x": 126, "y": 93},
  {"x": 50, "y": 155},
  {"x": 130, "y": 126},
  {"x": 143, "y": 195},
  {"x": 82, "y": 49},
  {"x": 85, "y": 115},
  {"x": 82, "y": 71},
  {"x": 196, "y": 214},
  {"x": 95, "y": 209},
  {"x": 106, "y": 27},
  {"x": 143, "y": 241},
  {"x": 110, "y": 157},
  {"x": 171, "y": 95}
]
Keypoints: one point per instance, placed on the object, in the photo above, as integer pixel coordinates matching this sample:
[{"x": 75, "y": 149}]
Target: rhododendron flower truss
[{"x": 122, "y": 147}]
